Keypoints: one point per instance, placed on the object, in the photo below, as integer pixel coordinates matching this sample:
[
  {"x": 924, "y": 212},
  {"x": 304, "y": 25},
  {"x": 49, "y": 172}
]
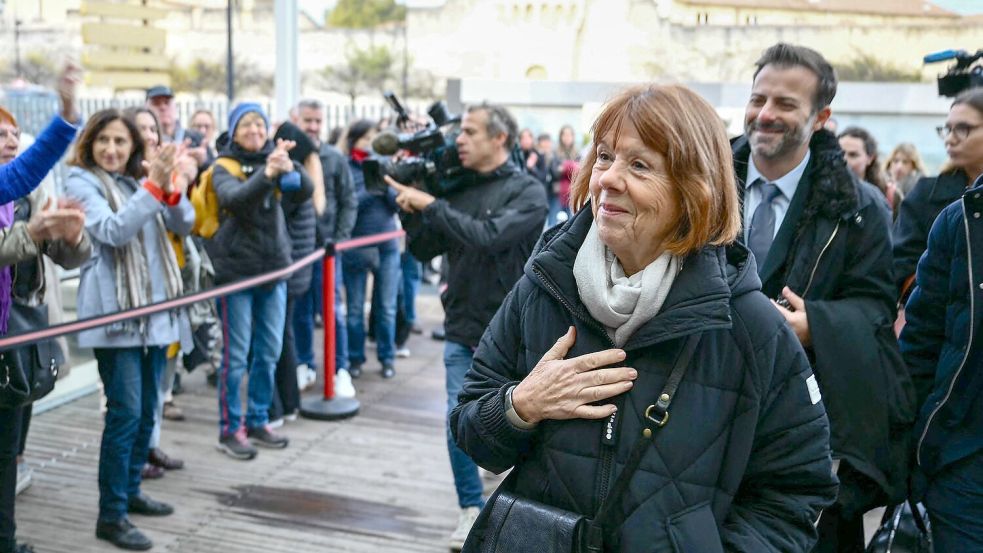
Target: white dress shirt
[{"x": 788, "y": 184}]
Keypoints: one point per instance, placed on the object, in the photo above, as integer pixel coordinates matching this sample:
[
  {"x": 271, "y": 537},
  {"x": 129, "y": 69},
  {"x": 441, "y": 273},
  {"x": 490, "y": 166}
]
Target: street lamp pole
[
  {"x": 17, "y": 24},
  {"x": 230, "y": 88}
]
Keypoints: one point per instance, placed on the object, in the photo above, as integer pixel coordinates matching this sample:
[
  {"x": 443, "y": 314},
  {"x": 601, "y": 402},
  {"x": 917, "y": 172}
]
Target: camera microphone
[{"x": 385, "y": 143}]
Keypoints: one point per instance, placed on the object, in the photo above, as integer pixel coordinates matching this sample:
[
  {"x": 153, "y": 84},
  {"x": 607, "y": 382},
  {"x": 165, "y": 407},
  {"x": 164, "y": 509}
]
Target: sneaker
[
  {"x": 403, "y": 353},
  {"x": 464, "y": 523},
  {"x": 123, "y": 535},
  {"x": 312, "y": 375},
  {"x": 276, "y": 423},
  {"x": 388, "y": 371},
  {"x": 343, "y": 384},
  {"x": 291, "y": 416},
  {"x": 264, "y": 436},
  {"x": 355, "y": 370},
  {"x": 173, "y": 412},
  {"x": 304, "y": 380},
  {"x": 237, "y": 446},
  {"x": 25, "y": 476}
]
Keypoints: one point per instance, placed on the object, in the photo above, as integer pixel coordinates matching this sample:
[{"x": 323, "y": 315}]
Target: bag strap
[
  {"x": 916, "y": 514},
  {"x": 232, "y": 166},
  {"x": 656, "y": 416}
]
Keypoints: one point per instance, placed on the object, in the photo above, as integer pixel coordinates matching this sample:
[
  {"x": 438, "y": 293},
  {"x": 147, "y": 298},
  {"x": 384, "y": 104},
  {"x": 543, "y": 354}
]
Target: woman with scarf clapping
[{"x": 132, "y": 265}]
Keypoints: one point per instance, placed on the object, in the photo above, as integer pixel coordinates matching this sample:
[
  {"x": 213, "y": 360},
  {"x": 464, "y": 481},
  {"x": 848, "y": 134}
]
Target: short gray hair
[
  {"x": 310, "y": 103},
  {"x": 499, "y": 121}
]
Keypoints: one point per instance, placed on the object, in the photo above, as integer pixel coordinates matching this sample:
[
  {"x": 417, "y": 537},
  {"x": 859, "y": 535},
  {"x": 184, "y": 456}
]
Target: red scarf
[{"x": 359, "y": 155}]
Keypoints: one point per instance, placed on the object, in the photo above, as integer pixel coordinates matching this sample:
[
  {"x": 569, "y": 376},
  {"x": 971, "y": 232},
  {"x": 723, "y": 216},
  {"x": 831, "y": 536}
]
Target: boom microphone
[{"x": 385, "y": 143}]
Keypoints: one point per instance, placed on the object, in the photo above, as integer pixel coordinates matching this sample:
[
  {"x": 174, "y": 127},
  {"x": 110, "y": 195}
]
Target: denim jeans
[
  {"x": 457, "y": 362},
  {"x": 411, "y": 284},
  {"x": 163, "y": 388},
  {"x": 383, "y": 262},
  {"x": 955, "y": 506},
  {"x": 130, "y": 378},
  {"x": 252, "y": 321},
  {"x": 309, "y": 304}
]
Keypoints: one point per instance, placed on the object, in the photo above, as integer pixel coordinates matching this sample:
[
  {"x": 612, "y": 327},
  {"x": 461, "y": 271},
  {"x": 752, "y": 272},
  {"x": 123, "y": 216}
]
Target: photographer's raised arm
[{"x": 522, "y": 214}]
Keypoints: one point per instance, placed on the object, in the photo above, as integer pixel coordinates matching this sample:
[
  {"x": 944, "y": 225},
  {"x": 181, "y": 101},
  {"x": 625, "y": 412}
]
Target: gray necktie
[{"x": 762, "y": 231}]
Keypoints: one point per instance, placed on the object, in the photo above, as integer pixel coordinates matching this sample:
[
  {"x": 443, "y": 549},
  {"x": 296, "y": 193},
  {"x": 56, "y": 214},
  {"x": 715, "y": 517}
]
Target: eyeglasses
[
  {"x": 960, "y": 130},
  {"x": 9, "y": 134}
]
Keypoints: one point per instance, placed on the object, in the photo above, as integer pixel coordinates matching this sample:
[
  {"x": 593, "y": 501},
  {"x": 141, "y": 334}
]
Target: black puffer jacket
[
  {"x": 252, "y": 237},
  {"x": 487, "y": 228},
  {"x": 338, "y": 219},
  {"x": 302, "y": 228},
  {"x": 744, "y": 462},
  {"x": 834, "y": 250}
]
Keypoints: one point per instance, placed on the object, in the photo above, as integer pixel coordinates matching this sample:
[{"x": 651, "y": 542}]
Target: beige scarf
[
  {"x": 133, "y": 284},
  {"x": 621, "y": 303}
]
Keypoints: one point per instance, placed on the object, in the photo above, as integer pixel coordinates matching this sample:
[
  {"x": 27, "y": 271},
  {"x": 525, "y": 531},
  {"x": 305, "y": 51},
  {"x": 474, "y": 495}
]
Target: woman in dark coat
[
  {"x": 964, "y": 145},
  {"x": 644, "y": 282}
]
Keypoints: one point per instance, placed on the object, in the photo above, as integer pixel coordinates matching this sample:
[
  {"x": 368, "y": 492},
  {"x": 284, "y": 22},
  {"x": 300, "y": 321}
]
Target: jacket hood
[
  {"x": 699, "y": 299},
  {"x": 835, "y": 192}
]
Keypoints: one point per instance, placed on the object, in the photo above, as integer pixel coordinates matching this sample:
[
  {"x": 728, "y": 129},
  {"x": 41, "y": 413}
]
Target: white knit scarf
[{"x": 621, "y": 303}]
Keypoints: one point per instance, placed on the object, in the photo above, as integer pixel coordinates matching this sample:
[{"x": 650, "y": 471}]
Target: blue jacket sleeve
[{"x": 22, "y": 175}]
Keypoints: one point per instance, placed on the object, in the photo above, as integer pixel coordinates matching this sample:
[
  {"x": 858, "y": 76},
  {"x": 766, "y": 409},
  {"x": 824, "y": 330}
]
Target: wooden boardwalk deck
[{"x": 379, "y": 483}]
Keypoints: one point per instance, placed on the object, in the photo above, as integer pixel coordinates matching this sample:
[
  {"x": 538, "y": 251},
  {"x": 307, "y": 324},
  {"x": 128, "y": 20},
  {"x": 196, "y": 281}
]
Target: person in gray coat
[{"x": 132, "y": 264}]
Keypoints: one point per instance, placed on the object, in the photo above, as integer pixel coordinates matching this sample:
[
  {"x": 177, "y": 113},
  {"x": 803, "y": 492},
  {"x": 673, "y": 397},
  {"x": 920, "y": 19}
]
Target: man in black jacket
[
  {"x": 823, "y": 248},
  {"x": 487, "y": 228},
  {"x": 334, "y": 224}
]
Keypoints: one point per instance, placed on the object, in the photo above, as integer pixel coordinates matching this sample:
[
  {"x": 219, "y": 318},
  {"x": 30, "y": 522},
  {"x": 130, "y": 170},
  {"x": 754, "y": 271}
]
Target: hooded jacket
[
  {"x": 743, "y": 463},
  {"x": 834, "y": 250}
]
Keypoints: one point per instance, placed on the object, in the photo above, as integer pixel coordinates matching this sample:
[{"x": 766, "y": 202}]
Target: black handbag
[
  {"x": 904, "y": 529},
  {"x": 28, "y": 372},
  {"x": 519, "y": 525}
]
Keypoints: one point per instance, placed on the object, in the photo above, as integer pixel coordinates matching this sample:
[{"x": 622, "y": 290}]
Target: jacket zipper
[
  {"x": 812, "y": 276},
  {"x": 607, "y": 446},
  {"x": 962, "y": 365}
]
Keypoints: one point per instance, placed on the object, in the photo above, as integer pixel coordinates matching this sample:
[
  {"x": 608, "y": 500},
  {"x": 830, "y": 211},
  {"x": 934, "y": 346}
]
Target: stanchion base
[{"x": 321, "y": 409}]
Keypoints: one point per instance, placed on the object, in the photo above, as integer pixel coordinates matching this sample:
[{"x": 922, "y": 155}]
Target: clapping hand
[
  {"x": 62, "y": 220},
  {"x": 278, "y": 162},
  {"x": 160, "y": 168}
]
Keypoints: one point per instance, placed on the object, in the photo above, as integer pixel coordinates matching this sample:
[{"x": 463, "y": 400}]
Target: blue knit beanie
[{"x": 242, "y": 109}]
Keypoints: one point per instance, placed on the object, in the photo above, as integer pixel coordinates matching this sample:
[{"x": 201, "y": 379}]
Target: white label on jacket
[{"x": 813, "y": 386}]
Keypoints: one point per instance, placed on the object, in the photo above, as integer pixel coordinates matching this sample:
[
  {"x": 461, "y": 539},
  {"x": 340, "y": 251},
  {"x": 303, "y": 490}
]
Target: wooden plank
[
  {"x": 127, "y": 79},
  {"x": 121, "y": 11},
  {"x": 378, "y": 483},
  {"x": 114, "y": 34},
  {"x": 103, "y": 59}
]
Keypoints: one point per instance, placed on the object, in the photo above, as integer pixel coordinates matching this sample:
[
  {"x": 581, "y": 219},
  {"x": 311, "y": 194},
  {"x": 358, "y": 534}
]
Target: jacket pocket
[{"x": 694, "y": 531}]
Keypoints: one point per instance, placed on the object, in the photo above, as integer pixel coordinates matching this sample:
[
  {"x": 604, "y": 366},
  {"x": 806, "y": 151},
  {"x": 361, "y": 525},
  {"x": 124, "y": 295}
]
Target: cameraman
[{"x": 487, "y": 229}]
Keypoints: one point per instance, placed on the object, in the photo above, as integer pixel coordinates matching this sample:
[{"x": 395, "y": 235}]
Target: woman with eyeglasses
[{"x": 963, "y": 137}]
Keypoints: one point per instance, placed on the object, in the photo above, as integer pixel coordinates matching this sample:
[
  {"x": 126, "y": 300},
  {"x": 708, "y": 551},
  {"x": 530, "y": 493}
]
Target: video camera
[
  {"x": 964, "y": 75},
  {"x": 432, "y": 164}
]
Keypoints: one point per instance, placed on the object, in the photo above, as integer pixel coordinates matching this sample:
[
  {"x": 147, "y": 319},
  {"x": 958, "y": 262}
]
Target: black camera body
[
  {"x": 965, "y": 74},
  {"x": 433, "y": 163}
]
